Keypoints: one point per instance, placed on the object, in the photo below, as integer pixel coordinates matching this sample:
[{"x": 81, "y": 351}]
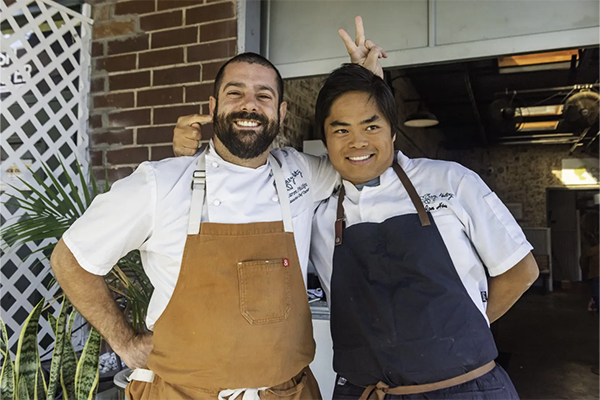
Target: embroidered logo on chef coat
[
  {"x": 484, "y": 296},
  {"x": 436, "y": 201},
  {"x": 296, "y": 186}
]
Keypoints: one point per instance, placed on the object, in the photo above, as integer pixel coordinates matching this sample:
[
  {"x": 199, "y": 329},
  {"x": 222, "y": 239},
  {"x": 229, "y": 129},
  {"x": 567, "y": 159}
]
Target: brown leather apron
[{"x": 238, "y": 317}]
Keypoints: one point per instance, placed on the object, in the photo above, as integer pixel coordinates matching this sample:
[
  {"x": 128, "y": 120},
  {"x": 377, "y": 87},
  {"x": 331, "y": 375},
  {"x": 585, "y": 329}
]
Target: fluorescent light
[
  {"x": 538, "y": 126},
  {"x": 541, "y": 110}
]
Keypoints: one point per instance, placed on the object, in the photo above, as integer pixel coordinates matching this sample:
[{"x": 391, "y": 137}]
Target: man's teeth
[
  {"x": 247, "y": 123},
  {"x": 359, "y": 158}
]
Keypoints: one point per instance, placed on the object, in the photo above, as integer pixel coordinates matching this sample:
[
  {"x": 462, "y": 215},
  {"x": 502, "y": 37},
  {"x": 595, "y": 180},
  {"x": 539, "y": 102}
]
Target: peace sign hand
[{"x": 363, "y": 52}]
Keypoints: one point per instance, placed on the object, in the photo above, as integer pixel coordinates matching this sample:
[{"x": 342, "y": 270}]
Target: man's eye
[
  {"x": 341, "y": 131},
  {"x": 372, "y": 127},
  {"x": 233, "y": 93},
  {"x": 264, "y": 97}
]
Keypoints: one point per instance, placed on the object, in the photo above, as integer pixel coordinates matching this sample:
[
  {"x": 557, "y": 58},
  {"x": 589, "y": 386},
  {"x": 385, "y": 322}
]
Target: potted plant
[
  {"x": 24, "y": 379},
  {"x": 51, "y": 210}
]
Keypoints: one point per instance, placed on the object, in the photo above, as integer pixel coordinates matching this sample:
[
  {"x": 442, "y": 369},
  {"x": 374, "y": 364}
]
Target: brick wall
[{"x": 152, "y": 61}]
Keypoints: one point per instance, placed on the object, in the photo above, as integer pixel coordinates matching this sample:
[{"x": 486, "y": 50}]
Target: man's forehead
[
  {"x": 250, "y": 75},
  {"x": 353, "y": 107}
]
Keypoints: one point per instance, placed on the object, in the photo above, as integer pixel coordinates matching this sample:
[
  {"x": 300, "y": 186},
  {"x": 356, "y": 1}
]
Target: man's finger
[
  {"x": 360, "y": 31},
  {"x": 348, "y": 42},
  {"x": 188, "y": 120}
]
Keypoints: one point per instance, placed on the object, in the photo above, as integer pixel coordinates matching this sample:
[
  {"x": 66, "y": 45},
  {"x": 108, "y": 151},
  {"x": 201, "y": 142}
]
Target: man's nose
[
  {"x": 358, "y": 140},
  {"x": 249, "y": 105}
]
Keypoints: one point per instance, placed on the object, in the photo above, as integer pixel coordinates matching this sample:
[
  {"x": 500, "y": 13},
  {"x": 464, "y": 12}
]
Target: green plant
[
  {"x": 25, "y": 379},
  {"x": 51, "y": 211}
]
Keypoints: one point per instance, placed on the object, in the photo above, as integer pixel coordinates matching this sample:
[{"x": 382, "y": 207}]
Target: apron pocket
[{"x": 264, "y": 287}]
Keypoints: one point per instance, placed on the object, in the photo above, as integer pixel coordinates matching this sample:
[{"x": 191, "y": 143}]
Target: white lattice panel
[{"x": 44, "y": 97}]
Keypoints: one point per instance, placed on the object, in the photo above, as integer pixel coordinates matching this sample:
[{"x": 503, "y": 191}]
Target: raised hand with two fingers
[{"x": 363, "y": 51}]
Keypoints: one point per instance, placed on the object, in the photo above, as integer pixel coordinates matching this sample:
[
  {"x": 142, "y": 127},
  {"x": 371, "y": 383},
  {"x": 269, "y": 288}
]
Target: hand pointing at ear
[{"x": 362, "y": 51}]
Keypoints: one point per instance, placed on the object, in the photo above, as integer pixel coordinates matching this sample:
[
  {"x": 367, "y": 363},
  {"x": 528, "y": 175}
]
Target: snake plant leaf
[
  {"x": 59, "y": 327},
  {"x": 3, "y": 339},
  {"x": 69, "y": 362},
  {"x": 86, "y": 376},
  {"x": 7, "y": 379},
  {"x": 23, "y": 393},
  {"x": 40, "y": 383},
  {"x": 26, "y": 360}
]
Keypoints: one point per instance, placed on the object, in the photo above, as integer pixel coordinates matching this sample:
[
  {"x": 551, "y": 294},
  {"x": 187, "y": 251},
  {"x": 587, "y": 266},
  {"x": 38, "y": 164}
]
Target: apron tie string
[
  {"x": 378, "y": 390},
  {"x": 248, "y": 394}
]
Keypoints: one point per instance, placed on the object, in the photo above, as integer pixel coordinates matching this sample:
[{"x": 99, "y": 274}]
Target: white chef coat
[
  {"x": 477, "y": 229},
  {"x": 149, "y": 209}
]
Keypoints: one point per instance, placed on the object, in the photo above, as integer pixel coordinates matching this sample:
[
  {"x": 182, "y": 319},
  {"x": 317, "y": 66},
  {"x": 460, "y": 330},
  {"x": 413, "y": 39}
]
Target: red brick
[
  {"x": 218, "y": 30},
  {"x": 112, "y": 137},
  {"x": 158, "y": 153},
  {"x": 129, "y": 81},
  {"x": 169, "y": 4},
  {"x": 97, "y": 49},
  {"x": 209, "y": 70},
  {"x": 212, "y": 12},
  {"x": 129, "y": 118},
  {"x": 160, "y": 97},
  {"x": 134, "y": 7},
  {"x": 155, "y": 134},
  {"x": 137, "y": 43},
  {"x": 113, "y": 28},
  {"x": 161, "y": 21},
  {"x": 211, "y": 51},
  {"x": 172, "y": 76},
  {"x": 161, "y": 57},
  {"x": 130, "y": 155},
  {"x": 97, "y": 157},
  {"x": 95, "y": 121},
  {"x": 169, "y": 115},
  {"x": 97, "y": 85},
  {"x": 198, "y": 93},
  {"x": 174, "y": 37},
  {"x": 117, "y": 100},
  {"x": 116, "y": 63}
]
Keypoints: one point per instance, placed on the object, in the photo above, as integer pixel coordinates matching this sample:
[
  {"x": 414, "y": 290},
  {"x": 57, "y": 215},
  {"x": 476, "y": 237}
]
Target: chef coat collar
[
  {"x": 353, "y": 192},
  {"x": 213, "y": 156}
]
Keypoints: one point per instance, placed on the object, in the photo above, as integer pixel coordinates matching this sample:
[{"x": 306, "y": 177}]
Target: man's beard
[{"x": 245, "y": 143}]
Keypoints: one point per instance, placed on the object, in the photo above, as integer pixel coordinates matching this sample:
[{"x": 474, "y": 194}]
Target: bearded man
[{"x": 228, "y": 258}]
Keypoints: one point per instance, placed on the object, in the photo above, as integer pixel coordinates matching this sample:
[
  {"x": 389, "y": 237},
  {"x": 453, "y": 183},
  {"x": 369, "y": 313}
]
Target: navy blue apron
[{"x": 399, "y": 311}]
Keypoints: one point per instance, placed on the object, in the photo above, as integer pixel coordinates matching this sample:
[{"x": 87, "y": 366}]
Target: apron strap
[
  {"x": 412, "y": 193},
  {"x": 198, "y": 188},
  {"x": 410, "y": 189},
  {"x": 284, "y": 200},
  {"x": 339, "y": 221}
]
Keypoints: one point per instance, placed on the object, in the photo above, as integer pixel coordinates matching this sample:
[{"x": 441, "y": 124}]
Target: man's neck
[{"x": 244, "y": 162}]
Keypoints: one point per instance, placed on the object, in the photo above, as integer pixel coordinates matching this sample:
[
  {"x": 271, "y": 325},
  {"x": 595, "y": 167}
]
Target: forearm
[
  {"x": 504, "y": 290},
  {"x": 91, "y": 297}
]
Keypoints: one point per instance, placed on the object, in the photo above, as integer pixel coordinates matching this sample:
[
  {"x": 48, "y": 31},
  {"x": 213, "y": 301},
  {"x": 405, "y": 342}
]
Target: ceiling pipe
[{"x": 552, "y": 89}]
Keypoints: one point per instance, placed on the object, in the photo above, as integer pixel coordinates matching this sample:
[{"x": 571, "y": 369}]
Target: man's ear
[
  {"x": 212, "y": 105},
  {"x": 282, "y": 111}
]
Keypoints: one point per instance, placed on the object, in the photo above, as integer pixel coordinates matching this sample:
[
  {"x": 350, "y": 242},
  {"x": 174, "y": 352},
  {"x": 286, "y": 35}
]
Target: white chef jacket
[
  {"x": 149, "y": 209},
  {"x": 477, "y": 229}
]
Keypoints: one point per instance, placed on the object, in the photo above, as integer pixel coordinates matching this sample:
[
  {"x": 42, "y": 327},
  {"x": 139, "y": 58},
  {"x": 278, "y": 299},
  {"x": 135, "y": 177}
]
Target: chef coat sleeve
[
  {"x": 115, "y": 223},
  {"x": 494, "y": 233},
  {"x": 323, "y": 177}
]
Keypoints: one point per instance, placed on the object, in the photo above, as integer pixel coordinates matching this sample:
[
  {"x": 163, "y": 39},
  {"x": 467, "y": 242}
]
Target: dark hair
[
  {"x": 249, "y": 58},
  {"x": 354, "y": 78}
]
